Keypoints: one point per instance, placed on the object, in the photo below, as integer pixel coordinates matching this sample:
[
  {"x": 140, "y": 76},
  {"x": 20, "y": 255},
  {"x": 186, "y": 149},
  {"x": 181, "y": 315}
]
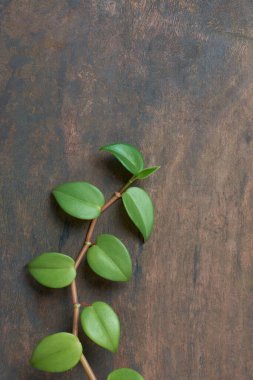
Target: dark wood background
[{"x": 173, "y": 78}]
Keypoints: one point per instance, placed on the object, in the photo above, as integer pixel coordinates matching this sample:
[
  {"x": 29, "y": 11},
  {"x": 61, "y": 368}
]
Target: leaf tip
[{"x": 114, "y": 347}]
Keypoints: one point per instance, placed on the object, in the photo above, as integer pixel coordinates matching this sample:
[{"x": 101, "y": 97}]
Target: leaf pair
[
  {"x": 109, "y": 258},
  {"x": 131, "y": 158},
  {"x": 83, "y": 200},
  {"x": 62, "y": 351}
]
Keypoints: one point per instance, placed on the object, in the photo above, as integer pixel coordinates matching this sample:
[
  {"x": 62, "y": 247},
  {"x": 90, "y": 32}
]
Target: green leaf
[
  {"x": 54, "y": 270},
  {"x": 128, "y": 155},
  {"x": 109, "y": 258},
  {"x": 140, "y": 209},
  {"x": 146, "y": 172},
  {"x": 80, "y": 199},
  {"x": 57, "y": 353},
  {"x": 101, "y": 324},
  {"x": 124, "y": 374}
]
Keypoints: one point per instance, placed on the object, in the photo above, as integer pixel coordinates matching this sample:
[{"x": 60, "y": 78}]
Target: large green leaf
[
  {"x": 80, "y": 199},
  {"x": 146, "y": 172},
  {"x": 57, "y": 353},
  {"x": 101, "y": 324},
  {"x": 124, "y": 374},
  {"x": 140, "y": 209},
  {"x": 109, "y": 258},
  {"x": 128, "y": 155},
  {"x": 54, "y": 270}
]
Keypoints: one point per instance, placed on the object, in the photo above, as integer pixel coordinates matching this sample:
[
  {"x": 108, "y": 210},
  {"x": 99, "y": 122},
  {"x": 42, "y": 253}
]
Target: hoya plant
[{"x": 106, "y": 255}]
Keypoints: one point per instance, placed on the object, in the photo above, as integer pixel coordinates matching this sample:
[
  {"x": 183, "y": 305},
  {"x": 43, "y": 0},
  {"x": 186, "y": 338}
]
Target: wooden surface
[{"x": 173, "y": 78}]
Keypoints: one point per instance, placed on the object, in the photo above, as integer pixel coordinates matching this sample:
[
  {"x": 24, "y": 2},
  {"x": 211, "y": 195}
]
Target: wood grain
[{"x": 173, "y": 78}]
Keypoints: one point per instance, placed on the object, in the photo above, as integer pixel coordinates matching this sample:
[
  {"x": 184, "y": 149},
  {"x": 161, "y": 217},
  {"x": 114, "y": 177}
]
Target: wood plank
[{"x": 173, "y": 78}]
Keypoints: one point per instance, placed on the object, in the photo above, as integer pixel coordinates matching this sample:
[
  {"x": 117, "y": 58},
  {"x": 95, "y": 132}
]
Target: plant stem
[
  {"x": 87, "y": 368},
  {"x": 87, "y": 243},
  {"x": 76, "y": 307}
]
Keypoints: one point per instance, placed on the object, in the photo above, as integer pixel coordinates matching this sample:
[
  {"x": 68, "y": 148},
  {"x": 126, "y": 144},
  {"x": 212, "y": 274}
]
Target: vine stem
[{"x": 74, "y": 295}]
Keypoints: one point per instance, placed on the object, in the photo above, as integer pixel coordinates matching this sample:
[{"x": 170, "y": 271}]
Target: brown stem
[
  {"x": 87, "y": 368},
  {"x": 74, "y": 293},
  {"x": 113, "y": 199},
  {"x": 87, "y": 243},
  {"x": 123, "y": 188},
  {"x": 76, "y": 308}
]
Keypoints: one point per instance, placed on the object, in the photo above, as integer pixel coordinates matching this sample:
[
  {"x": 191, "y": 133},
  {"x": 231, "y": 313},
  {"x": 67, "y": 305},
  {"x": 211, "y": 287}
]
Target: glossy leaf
[
  {"x": 57, "y": 353},
  {"x": 146, "y": 172},
  {"x": 101, "y": 324},
  {"x": 124, "y": 374},
  {"x": 80, "y": 199},
  {"x": 128, "y": 155},
  {"x": 140, "y": 209},
  {"x": 109, "y": 258},
  {"x": 53, "y": 270}
]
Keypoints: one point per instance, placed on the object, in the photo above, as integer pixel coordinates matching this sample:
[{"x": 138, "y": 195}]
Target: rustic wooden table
[{"x": 173, "y": 78}]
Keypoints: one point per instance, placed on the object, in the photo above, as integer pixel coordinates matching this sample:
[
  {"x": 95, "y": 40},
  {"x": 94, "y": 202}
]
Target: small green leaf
[
  {"x": 128, "y": 155},
  {"x": 53, "y": 270},
  {"x": 101, "y": 324},
  {"x": 57, "y": 353},
  {"x": 124, "y": 374},
  {"x": 147, "y": 172},
  {"x": 109, "y": 258},
  {"x": 80, "y": 199},
  {"x": 140, "y": 209}
]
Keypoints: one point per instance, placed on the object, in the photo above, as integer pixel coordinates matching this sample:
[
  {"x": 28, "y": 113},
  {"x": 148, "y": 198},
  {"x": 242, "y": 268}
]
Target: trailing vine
[{"x": 107, "y": 257}]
